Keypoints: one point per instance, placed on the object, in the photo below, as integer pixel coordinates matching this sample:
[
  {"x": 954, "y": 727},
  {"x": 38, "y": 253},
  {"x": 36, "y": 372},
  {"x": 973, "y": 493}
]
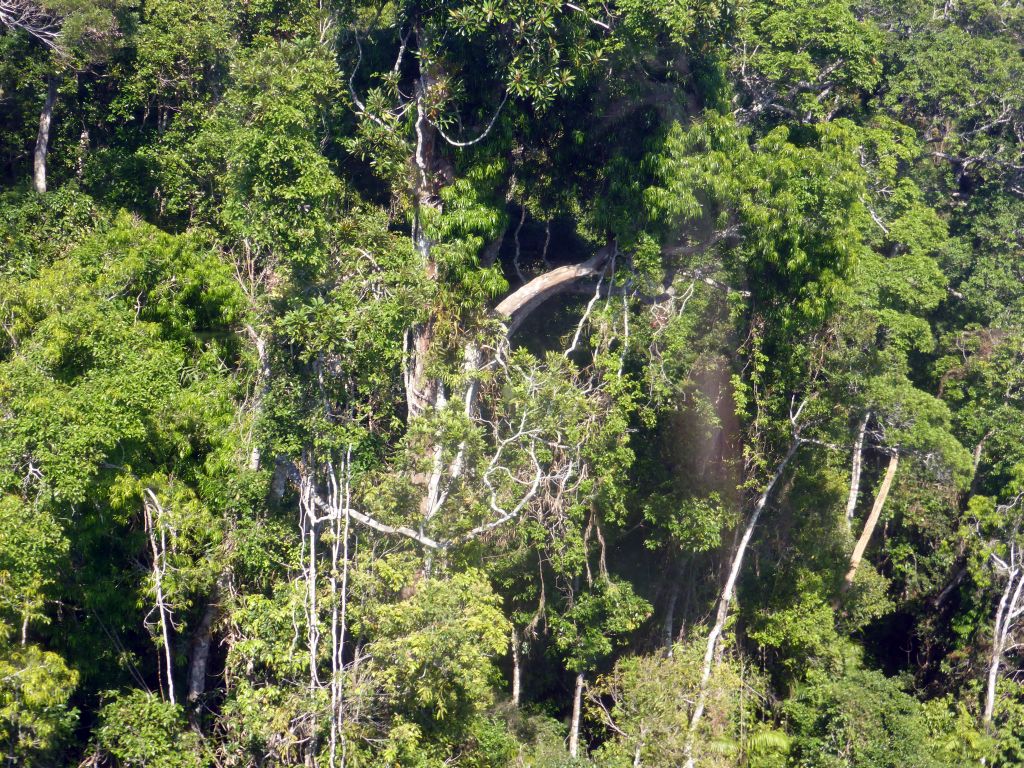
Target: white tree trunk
[
  {"x": 43, "y": 137},
  {"x": 574, "y": 725},
  {"x": 335, "y": 640},
  {"x": 1009, "y": 609},
  {"x": 996, "y": 657},
  {"x": 339, "y": 610},
  {"x": 307, "y": 523},
  {"x": 858, "y": 454},
  {"x": 516, "y": 669},
  {"x": 83, "y": 152},
  {"x": 262, "y": 391},
  {"x": 159, "y": 567}
]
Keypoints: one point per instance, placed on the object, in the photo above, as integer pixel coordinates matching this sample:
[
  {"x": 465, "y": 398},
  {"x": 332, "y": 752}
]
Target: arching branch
[
  {"x": 478, "y": 139},
  {"x": 515, "y": 307}
]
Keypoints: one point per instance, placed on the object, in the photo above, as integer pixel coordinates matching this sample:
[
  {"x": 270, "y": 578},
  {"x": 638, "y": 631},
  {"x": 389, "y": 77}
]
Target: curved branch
[
  {"x": 478, "y": 139},
  {"x": 518, "y": 305}
]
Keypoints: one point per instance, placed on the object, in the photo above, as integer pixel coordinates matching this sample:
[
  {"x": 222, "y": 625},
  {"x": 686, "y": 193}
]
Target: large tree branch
[
  {"x": 872, "y": 521},
  {"x": 722, "y": 610},
  {"x": 517, "y": 306},
  {"x": 330, "y": 512},
  {"x": 858, "y": 454}
]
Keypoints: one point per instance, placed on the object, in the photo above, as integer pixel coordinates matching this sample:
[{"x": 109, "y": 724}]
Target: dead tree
[
  {"x": 156, "y": 530},
  {"x": 574, "y": 726},
  {"x": 33, "y": 19},
  {"x": 1011, "y": 605}
]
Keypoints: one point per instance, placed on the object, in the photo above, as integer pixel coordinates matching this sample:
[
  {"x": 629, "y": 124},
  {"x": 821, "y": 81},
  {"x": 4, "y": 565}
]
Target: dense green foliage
[{"x": 496, "y": 383}]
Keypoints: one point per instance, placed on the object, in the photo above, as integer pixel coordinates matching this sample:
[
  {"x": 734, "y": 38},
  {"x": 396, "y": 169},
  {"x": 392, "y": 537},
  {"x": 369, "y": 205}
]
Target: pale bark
[
  {"x": 153, "y": 522},
  {"x": 977, "y": 453},
  {"x": 725, "y": 599},
  {"x": 339, "y": 613},
  {"x": 976, "y": 462},
  {"x": 263, "y": 379},
  {"x": 421, "y": 392},
  {"x": 858, "y": 455},
  {"x": 1009, "y": 611},
  {"x": 292, "y": 473},
  {"x": 516, "y": 670},
  {"x": 948, "y": 589},
  {"x": 993, "y": 680},
  {"x": 43, "y": 137},
  {"x": 515, "y": 307},
  {"x": 424, "y": 394},
  {"x": 35, "y": 20},
  {"x": 83, "y": 152},
  {"x": 574, "y": 725},
  {"x": 872, "y": 521},
  {"x": 308, "y": 523}
]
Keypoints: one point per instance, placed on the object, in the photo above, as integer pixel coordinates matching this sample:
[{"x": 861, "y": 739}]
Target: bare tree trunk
[
  {"x": 43, "y": 137},
  {"x": 996, "y": 657},
  {"x": 343, "y": 631},
  {"x": 339, "y": 609},
  {"x": 336, "y": 648},
  {"x": 1006, "y": 613},
  {"x": 858, "y": 454},
  {"x": 159, "y": 567},
  {"x": 574, "y": 725},
  {"x": 83, "y": 152},
  {"x": 976, "y": 462},
  {"x": 993, "y": 680},
  {"x": 726, "y": 597},
  {"x": 516, "y": 673},
  {"x": 977, "y": 452},
  {"x": 312, "y": 616},
  {"x": 421, "y": 392},
  {"x": 872, "y": 521}
]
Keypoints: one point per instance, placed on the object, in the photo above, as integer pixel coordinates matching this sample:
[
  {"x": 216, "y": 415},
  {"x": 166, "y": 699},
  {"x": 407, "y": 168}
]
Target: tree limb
[{"x": 519, "y": 304}]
